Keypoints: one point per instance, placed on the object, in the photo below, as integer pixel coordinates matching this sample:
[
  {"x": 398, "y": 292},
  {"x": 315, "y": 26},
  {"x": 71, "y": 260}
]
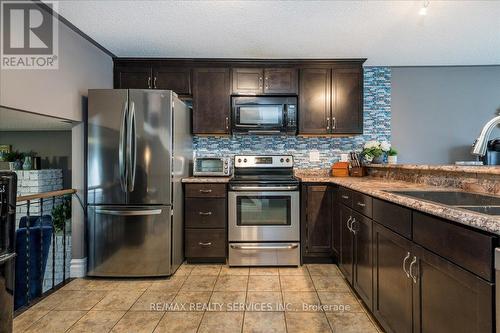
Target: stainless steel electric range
[{"x": 264, "y": 212}]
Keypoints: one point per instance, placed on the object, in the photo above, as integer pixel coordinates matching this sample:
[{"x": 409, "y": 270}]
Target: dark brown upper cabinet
[
  {"x": 331, "y": 100},
  {"x": 177, "y": 79},
  {"x": 258, "y": 81},
  {"x": 347, "y": 101},
  {"x": 133, "y": 77},
  {"x": 314, "y": 100},
  {"x": 211, "y": 101}
]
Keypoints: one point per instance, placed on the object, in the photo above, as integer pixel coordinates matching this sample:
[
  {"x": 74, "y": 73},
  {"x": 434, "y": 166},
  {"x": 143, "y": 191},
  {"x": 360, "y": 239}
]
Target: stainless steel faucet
[{"x": 480, "y": 145}]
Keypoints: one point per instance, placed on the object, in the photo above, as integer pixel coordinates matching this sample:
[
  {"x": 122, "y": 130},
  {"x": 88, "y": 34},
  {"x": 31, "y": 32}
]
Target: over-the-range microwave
[
  {"x": 212, "y": 166},
  {"x": 264, "y": 115}
]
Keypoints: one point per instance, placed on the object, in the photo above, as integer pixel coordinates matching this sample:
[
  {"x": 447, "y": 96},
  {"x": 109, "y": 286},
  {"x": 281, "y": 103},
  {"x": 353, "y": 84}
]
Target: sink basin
[
  {"x": 489, "y": 210},
  {"x": 453, "y": 198}
]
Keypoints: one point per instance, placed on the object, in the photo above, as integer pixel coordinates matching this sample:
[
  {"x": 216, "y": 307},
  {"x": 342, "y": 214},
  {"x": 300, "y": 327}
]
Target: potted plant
[
  {"x": 61, "y": 214},
  {"x": 375, "y": 151},
  {"x": 14, "y": 158},
  {"x": 392, "y": 156}
]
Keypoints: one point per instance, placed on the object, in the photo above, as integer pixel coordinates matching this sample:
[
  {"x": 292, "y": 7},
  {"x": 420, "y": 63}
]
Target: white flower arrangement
[{"x": 375, "y": 149}]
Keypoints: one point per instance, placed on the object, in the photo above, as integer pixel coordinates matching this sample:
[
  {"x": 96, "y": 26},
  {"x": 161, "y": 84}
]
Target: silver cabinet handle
[
  {"x": 334, "y": 123},
  {"x": 264, "y": 247},
  {"x": 344, "y": 197},
  {"x": 154, "y": 82},
  {"x": 205, "y": 213},
  {"x": 205, "y": 191},
  {"x": 149, "y": 82},
  {"x": 404, "y": 265},
  {"x": 264, "y": 132},
  {"x": 227, "y": 123},
  {"x": 360, "y": 204},
  {"x": 349, "y": 221},
  {"x": 260, "y": 81},
  {"x": 328, "y": 123},
  {"x": 413, "y": 262},
  {"x": 7, "y": 257},
  {"x": 119, "y": 212},
  {"x": 205, "y": 244},
  {"x": 352, "y": 226}
]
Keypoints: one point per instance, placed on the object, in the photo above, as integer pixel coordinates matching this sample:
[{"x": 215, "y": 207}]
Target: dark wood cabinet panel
[
  {"x": 346, "y": 260},
  {"x": 336, "y": 224},
  {"x": 205, "y": 190},
  {"x": 449, "y": 299},
  {"x": 280, "y": 81},
  {"x": 393, "y": 288},
  {"x": 362, "y": 203},
  {"x": 205, "y": 213},
  {"x": 205, "y": 243},
  {"x": 130, "y": 77},
  {"x": 470, "y": 249},
  {"x": 248, "y": 81},
  {"x": 393, "y": 216},
  {"x": 177, "y": 79},
  {"x": 347, "y": 101},
  {"x": 319, "y": 219},
  {"x": 314, "y": 100},
  {"x": 211, "y": 101},
  {"x": 363, "y": 261}
]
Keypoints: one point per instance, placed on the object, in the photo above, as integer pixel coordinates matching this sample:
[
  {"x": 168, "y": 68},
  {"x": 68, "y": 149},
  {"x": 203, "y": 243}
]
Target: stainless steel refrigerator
[{"x": 139, "y": 147}]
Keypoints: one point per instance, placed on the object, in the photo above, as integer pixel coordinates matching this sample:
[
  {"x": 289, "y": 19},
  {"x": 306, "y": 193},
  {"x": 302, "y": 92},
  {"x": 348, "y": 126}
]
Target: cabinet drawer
[
  {"x": 345, "y": 196},
  {"x": 392, "y": 216},
  {"x": 205, "y": 243},
  {"x": 206, "y": 190},
  {"x": 362, "y": 203},
  {"x": 205, "y": 213},
  {"x": 467, "y": 248}
]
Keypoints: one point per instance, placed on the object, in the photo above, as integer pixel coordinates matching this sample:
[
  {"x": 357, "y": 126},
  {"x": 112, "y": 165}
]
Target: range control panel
[{"x": 259, "y": 161}]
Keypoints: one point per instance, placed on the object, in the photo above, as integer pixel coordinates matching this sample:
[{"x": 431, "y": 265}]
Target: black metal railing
[{"x": 41, "y": 221}]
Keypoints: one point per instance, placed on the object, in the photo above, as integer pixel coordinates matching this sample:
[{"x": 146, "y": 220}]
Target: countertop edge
[{"x": 483, "y": 170}]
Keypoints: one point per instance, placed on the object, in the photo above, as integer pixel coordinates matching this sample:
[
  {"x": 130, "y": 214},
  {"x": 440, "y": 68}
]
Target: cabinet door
[
  {"x": 211, "y": 110},
  {"x": 128, "y": 77},
  {"x": 347, "y": 101},
  {"x": 314, "y": 100},
  {"x": 280, "y": 81},
  {"x": 248, "y": 81},
  {"x": 449, "y": 298},
  {"x": 392, "y": 293},
  {"x": 319, "y": 219},
  {"x": 336, "y": 224},
  {"x": 347, "y": 243},
  {"x": 363, "y": 261},
  {"x": 173, "y": 78}
]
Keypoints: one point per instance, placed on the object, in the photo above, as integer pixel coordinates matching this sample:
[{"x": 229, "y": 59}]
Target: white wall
[
  {"x": 59, "y": 92},
  {"x": 62, "y": 93},
  {"x": 438, "y": 112}
]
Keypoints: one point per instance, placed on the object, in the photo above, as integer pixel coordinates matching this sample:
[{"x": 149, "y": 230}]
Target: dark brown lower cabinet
[
  {"x": 336, "y": 226},
  {"x": 448, "y": 299},
  {"x": 416, "y": 290},
  {"x": 317, "y": 227},
  {"x": 393, "y": 288},
  {"x": 363, "y": 260},
  {"x": 347, "y": 243}
]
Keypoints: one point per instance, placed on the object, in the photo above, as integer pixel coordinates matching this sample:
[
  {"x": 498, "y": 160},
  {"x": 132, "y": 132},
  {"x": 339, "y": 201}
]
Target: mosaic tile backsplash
[{"x": 377, "y": 126}]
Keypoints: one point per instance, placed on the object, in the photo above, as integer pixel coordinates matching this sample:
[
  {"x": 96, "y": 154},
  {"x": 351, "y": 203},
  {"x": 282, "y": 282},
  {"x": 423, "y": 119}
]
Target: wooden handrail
[{"x": 45, "y": 195}]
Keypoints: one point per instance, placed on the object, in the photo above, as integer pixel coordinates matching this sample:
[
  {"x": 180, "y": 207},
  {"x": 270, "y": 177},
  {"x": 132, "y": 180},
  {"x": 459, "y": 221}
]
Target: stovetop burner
[{"x": 278, "y": 169}]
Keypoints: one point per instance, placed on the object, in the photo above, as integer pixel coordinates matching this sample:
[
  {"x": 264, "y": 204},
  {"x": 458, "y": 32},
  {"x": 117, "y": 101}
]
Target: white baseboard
[{"x": 78, "y": 268}]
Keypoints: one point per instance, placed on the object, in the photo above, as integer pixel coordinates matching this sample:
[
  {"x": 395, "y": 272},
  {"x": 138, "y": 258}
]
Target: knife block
[{"x": 358, "y": 171}]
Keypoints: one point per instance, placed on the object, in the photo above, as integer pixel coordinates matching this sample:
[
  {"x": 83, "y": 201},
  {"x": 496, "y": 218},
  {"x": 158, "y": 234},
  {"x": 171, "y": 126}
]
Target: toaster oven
[{"x": 212, "y": 166}]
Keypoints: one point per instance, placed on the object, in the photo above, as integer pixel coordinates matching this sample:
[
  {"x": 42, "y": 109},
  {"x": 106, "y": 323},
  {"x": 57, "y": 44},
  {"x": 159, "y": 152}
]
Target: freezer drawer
[
  {"x": 264, "y": 254},
  {"x": 129, "y": 241}
]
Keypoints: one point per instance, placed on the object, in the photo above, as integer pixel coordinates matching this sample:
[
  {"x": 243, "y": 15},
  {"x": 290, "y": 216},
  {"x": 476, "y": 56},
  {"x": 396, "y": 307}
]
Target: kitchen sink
[
  {"x": 452, "y": 198},
  {"x": 489, "y": 210}
]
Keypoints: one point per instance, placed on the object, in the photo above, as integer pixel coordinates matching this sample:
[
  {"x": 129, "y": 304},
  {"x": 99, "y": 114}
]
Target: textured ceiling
[
  {"x": 13, "y": 120},
  {"x": 386, "y": 32}
]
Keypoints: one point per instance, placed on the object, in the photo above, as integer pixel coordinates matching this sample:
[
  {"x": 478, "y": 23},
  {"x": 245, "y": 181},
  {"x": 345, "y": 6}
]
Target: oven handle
[
  {"x": 264, "y": 188},
  {"x": 264, "y": 247}
]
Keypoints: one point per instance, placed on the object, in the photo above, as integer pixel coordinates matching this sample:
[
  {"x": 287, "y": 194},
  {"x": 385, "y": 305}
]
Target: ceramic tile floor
[{"x": 205, "y": 298}]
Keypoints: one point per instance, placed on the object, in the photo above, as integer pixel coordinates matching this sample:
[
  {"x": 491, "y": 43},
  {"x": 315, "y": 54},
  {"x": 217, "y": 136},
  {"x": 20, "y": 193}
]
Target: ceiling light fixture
[{"x": 423, "y": 10}]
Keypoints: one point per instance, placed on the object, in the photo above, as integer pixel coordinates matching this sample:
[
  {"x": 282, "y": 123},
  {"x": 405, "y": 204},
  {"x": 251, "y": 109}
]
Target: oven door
[
  {"x": 264, "y": 216},
  {"x": 259, "y": 118}
]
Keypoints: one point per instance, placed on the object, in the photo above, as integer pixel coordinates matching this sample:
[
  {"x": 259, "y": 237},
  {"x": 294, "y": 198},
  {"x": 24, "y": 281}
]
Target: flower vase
[
  {"x": 392, "y": 159},
  {"x": 27, "y": 165},
  {"x": 378, "y": 159}
]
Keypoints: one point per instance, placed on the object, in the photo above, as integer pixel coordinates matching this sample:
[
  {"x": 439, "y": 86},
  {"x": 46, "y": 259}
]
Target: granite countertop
[
  {"x": 206, "y": 179},
  {"x": 377, "y": 188},
  {"x": 477, "y": 169}
]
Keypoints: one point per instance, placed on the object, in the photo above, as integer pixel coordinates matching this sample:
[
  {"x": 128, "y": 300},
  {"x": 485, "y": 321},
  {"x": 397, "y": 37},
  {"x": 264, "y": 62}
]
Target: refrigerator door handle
[
  {"x": 132, "y": 149},
  {"x": 6, "y": 257},
  {"x": 126, "y": 212},
  {"x": 122, "y": 158}
]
